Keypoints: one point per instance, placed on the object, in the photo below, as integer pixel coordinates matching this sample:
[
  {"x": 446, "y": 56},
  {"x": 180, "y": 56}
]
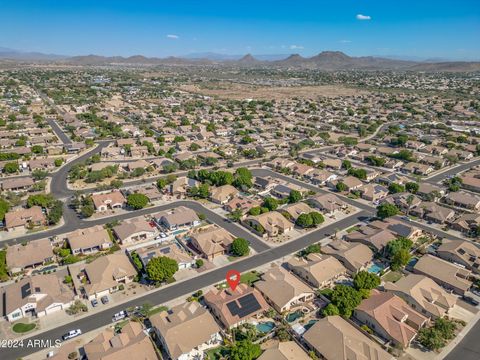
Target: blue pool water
[
  {"x": 375, "y": 268},
  {"x": 309, "y": 324},
  {"x": 176, "y": 232},
  {"x": 266, "y": 327},
  {"x": 294, "y": 316},
  {"x": 412, "y": 262}
]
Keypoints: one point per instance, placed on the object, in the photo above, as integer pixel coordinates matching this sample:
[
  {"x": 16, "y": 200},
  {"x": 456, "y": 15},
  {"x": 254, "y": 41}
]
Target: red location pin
[{"x": 233, "y": 278}]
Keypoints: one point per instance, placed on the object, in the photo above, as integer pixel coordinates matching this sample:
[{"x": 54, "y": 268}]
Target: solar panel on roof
[
  {"x": 248, "y": 306},
  {"x": 165, "y": 251}
]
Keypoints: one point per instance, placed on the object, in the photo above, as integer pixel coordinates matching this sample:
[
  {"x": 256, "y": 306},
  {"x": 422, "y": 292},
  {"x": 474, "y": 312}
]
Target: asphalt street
[
  {"x": 365, "y": 207},
  {"x": 59, "y": 132},
  {"x": 187, "y": 287},
  {"x": 469, "y": 347}
]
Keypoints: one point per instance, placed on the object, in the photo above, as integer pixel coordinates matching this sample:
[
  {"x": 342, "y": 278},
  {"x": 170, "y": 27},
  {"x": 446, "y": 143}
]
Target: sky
[{"x": 410, "y": 28}]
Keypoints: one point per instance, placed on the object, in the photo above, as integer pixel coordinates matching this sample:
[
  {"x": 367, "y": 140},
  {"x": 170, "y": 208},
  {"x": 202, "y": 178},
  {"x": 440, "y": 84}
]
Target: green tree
[
  {"x": 245, "y": 350},
  {"x": 346, "y": 299},
  {"x": 11, "y": 167},
  {"x": 346, "y": 164},
  {"x": 161, "y": 268},
  {"x": 254, "y": 211},
  {"x": 341, "y": 187},
  {"x": 294, "y": 196},
  {"x": 412, "y": 187},
  {"x": 330, "y": 310},
  {"x": 386, "y": 210},
  {"x": 137, "y": 201},
  {"x": 366, "y": 280},
  {"x": 317, "y": 218},
  {"x": 240, "y": 247},
  {"x": 243, "y": 178},
  {"x": 4, "y": 207},
  {"x": 430, "y": 338},
  {"x": 39, "y": 174},
  {"x": 270, "y": 203},
  {"x": 87, "y": 210},
  {"x": 304, "y": 221},
  {"x": 37, "y": 149},
  {"x": 395, "y": 188},
  {"x": 58, "y": 162}
]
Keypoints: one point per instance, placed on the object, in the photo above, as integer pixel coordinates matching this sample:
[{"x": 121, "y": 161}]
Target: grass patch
[
  {"x": 217, "y": 353},
  {"x": 157, "y": 310},
  {"x": 249, "y": 278},
  {"x": 23, "y": 328},
  {"x": 3, "y": 265},
  {"x": 352, "y": 229},
  {"x": 392, "y": 276}
]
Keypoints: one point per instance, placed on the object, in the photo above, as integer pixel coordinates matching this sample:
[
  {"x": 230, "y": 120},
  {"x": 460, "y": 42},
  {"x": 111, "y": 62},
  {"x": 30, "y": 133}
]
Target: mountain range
[{"x": 326, "y": 60}]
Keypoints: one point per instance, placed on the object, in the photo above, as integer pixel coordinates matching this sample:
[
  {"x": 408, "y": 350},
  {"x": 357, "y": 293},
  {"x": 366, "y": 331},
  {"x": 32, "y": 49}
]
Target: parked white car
[
  {"x": 71, "y": 334},
  {"x": 119, "y": 316}
]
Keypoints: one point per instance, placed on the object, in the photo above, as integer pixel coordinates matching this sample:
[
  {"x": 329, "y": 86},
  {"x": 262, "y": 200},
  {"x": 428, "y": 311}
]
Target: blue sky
[{"x": 417, "y": 28}]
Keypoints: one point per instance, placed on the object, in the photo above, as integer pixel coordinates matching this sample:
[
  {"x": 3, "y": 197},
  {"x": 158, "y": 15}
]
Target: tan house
[
  {"x": 423, "y": 294},
  {"x": 17, "y": 184},
  {"x": 172, "y": 251},
  {"x": 102, "y": 276},
  {"x": 211, "y": 241},
  {"x": 31, "y": 254},
  {"x": 282, "y": 290},
  {"x": 179, "y": 217},
  {"x": 444, "y": 273},
  {"x": 271, "y": 223},
  {"x": 463, "y": 252},
  {"x": 223, "y": 194},
  {"x": 241, "y": 203},
  {"x": 295, "y": 210},
  {"x": 111, "y": 200},
  {"x": 186, "y": 330},
  {"x": 288, "y": 350},
  {"x": 317, "y": 270},
  {"x": 334, "y": 338},
  {"x": 89, "y": 240},
  {"x": 135, "y": 230},
  {"x": 390, "y": 317},
  {"x": 38, "y": 295},
  {"x": 233, "y": 308},
  {"x": 353, "y": 256},
  {"x": 328, "y": 203},
  {"x": 23, "y": 218},
  {"x": 464, "y": 200},
  {"x": 131, "y": 341}
]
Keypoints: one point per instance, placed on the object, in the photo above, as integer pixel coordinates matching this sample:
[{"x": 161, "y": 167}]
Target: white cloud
[
  {"x": 363, "y": 17},
  {"x": 172, "y": 36},
  {"x": 296, "y": 47}
]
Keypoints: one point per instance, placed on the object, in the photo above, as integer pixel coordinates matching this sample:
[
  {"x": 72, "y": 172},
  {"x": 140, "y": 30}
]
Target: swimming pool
[
  {"x": 265, "y": 327},
  {"x": 309, "y": 324},
  {"x": 294, "y": 316},
  {"x": 176, "y": 232},
  {"x": 375, "y": 268}
]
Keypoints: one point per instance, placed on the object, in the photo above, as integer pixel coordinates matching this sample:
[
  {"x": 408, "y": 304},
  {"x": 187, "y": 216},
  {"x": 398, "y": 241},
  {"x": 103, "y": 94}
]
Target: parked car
[
  {"x": 104, "y": 299},
  {"x": 163, "y": 235},
  {"x": 470, "y": 300},
  {"x": 94, "y": 302},
  {"x": 71, "y": 334},
  {"x": 119, "y": 316},
  {"x": 475, "y": 291}
]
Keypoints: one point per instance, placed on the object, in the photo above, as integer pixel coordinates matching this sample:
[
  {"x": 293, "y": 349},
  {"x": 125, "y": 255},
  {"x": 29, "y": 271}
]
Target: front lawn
[
  {"x": 249, "y": 278},
  {"x": 157, "y": 310},
  {"x": 3, "y": 266},
  {"x": 392, "y": 276},
  {"x": 23, "y": 328},
  {"x": 352, "y": 229}
]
